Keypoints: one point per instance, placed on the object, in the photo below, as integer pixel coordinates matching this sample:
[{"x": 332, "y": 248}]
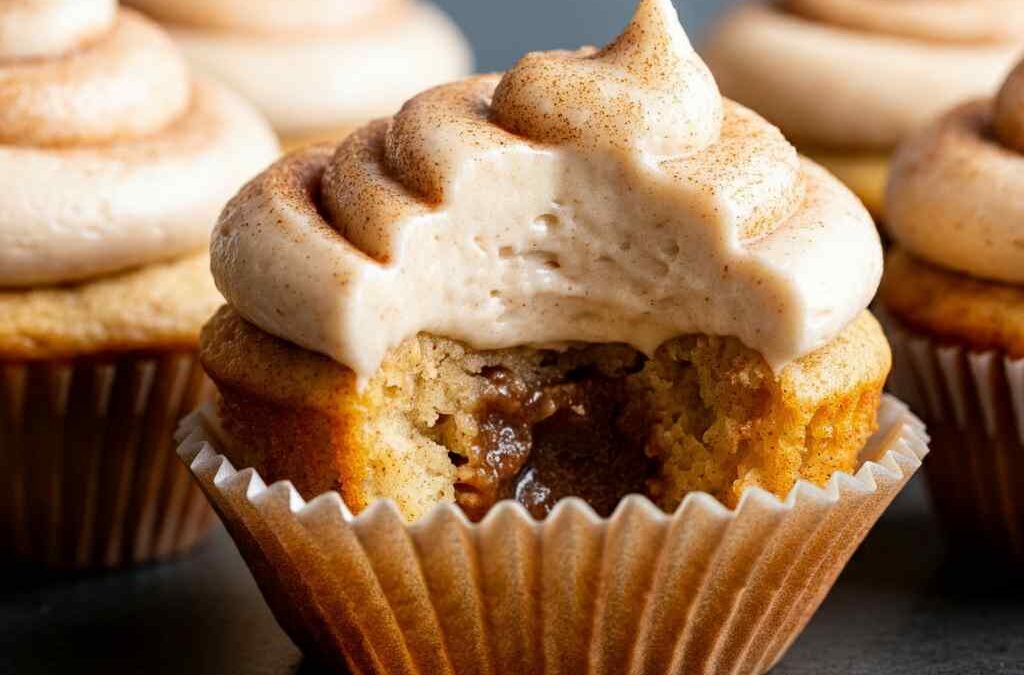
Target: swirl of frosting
[
  {"x": 37, "y": 28},
  {"x": 317, "y": 65},
  {"x": 111, "y": 156},
  {"x": 267, "y": 16},
  {"x": 892, "y": 67},
  {"x": 956, "y": 195},
  {"x": 131, "y": 82},
  {"x": 506, "y": 221}
]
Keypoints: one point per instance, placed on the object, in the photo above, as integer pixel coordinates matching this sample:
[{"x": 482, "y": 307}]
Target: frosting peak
[
  {"x": 608, "y": 196},
  {"x": 647, "y": 91},
  {"x": 35, "y": 28}
]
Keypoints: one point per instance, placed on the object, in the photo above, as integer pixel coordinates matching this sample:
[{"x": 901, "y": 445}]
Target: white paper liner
[
  {"x": 973, "y": 403},
  {"x": 87, "y": 456},
  {"x": 705, "y": 589}
]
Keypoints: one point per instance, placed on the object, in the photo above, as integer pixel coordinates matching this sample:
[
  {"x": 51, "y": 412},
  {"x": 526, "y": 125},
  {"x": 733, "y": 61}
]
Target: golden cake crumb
[
  {"x": 153, "y": 307},
  {"x": 954, "y": 307}
]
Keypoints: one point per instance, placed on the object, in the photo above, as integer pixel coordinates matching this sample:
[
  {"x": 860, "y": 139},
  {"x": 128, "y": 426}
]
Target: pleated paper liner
[
  {"x": 973, "y": 403},
  {"x": 87, "y": 456},
  {"x": 705, "y": 590}
]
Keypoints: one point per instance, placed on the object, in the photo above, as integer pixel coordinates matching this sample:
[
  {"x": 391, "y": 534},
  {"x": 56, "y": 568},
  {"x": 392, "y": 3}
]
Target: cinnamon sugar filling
[{"x": 538, "y": 444}]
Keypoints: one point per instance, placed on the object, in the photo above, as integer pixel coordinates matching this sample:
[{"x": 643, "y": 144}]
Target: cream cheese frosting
[
  {"x": 938, "y": 20},
  {"x": 269, "y": 16},
  {"x": 956, "y": 196},
  {"x": 608, "y": 196},
  {"x": 38, "y": 28},
  {"x": 318, "y": 64},
  {"x": 112, "y": 156},
  {"x": 863, "y": 74}
]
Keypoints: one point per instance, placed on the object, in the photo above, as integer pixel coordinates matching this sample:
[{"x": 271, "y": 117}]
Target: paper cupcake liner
[
  {"x": 87, "y": 456},
  {"x": 973, "y": 403},
  {"x": 705, "y": 590}
]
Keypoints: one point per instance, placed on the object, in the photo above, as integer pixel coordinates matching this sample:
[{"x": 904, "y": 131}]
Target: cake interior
[
  {"x": 597, "y": 422},
  {"x": 443, "y": 422}
]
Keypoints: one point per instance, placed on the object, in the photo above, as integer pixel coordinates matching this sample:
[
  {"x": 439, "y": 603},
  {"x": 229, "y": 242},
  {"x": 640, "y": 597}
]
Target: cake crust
[
  {"x": 954, "y": 307},
  {"x": 161, "y": 306}
]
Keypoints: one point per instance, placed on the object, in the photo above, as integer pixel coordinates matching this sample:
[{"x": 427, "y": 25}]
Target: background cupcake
[
  {"x": 317, "y": 68},
  {"x": 954, "y": 290},
  {"x": 115, "y": 163},
  {"x": 590, "y": 277},
  {"x": 847, "y": 80}
]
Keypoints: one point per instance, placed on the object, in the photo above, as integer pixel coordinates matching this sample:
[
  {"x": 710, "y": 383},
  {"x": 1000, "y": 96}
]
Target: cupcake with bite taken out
[
  {"x": 847, "y": 80},
  {"x": 544, "y": 350},
  {"x": 115, "y": 163},
  {"x": 318, "y": 69},
  {"x": 954, "y": 291}
]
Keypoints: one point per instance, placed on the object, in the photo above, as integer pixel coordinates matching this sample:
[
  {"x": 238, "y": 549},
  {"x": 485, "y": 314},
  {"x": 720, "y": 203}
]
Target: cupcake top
[
  {"x": 956, "y": 195},
  {"x": 594, "y": 196},
  {"x": 317, "y": 64},
  {"x": 862, "y": 74},
  {"x": 112, "y": 156}
]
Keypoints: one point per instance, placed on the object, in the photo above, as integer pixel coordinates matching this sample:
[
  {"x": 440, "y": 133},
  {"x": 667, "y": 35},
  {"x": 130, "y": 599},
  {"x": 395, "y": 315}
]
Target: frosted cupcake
[
  {"x": 847, "y": 80},
  {"x": 955, "y": 292},
  {"x": 115, "y": 164},
  {"x": 318, "y": 68},
  {"x": 548, "y": 301}
]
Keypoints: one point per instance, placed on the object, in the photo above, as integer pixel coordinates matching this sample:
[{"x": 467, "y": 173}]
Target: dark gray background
[
  {"x": 901, "y": 607},
  {"x": 502, "y": 30}
]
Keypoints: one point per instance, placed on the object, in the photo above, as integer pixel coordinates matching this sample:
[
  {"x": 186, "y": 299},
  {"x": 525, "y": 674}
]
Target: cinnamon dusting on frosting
[
  {"x": 607, "y": 196},
  {"x": 130, "y": 83},
  {"x": 647, "y": 92}
]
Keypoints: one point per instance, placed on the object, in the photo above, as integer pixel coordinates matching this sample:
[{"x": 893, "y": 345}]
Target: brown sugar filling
[{"x": 538, "y": 444}]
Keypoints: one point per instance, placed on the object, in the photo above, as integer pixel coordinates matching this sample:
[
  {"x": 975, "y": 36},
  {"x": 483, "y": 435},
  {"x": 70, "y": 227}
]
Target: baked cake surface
[
  {"x": 153, "y": 307},
  {"x": 952, "y": 306}
]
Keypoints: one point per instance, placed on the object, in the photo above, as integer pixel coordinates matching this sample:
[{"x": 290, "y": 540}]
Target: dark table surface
[{"x": 900, "y": 607}]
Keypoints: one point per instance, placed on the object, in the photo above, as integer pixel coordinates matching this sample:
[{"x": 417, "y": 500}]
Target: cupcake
[
  {"x": 954, "y": 293},
  {"x": 847, "y": 80},
  {"x": 115, "y": 164},
  {"x": 573, "y": 364},
  {"x": 318, "y": 69}
]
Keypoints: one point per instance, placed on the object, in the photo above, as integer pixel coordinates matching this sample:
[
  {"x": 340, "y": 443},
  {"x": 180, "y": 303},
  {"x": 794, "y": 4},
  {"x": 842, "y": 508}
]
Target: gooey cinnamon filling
[{"x": 538, "y": 444}]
